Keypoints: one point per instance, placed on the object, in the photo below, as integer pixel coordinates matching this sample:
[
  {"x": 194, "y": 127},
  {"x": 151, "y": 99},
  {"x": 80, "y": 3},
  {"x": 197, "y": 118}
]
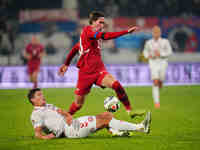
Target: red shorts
[
  {"x": 33, "y": 67},
  {"x": 85, "y": 81}
]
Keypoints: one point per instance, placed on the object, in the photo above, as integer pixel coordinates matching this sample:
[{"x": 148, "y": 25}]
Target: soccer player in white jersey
[
  {"x": 47, "y": 117},
  {"x": 157, "y": 50}
]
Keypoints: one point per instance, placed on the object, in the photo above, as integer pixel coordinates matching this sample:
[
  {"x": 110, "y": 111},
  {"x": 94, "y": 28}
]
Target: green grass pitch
[{"x": 175, "y": 126}]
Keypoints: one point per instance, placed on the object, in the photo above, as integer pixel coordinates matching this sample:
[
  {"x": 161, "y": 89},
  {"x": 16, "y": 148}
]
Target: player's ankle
[
  {"x": 128, "y": 108},
  {"x": 157, "y": 105}
]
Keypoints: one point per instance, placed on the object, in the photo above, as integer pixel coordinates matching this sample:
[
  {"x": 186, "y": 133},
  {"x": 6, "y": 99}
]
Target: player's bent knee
[{"x": 108, "y": 80}]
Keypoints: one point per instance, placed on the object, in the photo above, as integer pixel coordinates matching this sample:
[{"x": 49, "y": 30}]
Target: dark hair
[
  {"x": 95, "y": 15},
  {"x": 31, "y": 94}
]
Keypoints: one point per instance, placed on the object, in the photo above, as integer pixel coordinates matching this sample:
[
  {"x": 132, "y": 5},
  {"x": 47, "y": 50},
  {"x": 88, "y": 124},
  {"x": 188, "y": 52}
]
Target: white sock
[
  {"x": 123, "y": 125},
  {"x": 156, "y": 94}
]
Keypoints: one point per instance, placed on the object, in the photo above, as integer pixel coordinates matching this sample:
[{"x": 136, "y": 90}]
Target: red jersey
[
  {"x": 89, "y": 48},
  {"x": 34, "y": 51}
]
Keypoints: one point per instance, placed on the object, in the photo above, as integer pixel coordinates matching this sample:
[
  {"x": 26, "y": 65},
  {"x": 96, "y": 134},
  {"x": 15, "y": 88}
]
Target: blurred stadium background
[{"x": 58, "y": 25}]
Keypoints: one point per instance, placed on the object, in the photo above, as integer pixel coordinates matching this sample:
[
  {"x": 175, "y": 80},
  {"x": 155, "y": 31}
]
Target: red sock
[
  {"x": 73, "y": 108},
  {"x": 121, "y": 94}
]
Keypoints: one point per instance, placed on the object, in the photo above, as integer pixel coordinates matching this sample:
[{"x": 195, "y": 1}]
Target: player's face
[
  {"x": 156, "y": 32},
  {"x": 39, "y": 99},
  {"x": 34, "y": 40},
  {"x": 99, "y": 24}
]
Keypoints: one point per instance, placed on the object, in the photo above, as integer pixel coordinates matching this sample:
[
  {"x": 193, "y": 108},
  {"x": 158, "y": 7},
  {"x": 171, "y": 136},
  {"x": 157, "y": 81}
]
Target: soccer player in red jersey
[
  {"x": 33, "y": 53},
  {"x": 90, "y": 64}
]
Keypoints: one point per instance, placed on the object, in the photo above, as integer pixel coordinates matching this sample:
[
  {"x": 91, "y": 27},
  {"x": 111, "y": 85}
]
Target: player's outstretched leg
[
  {"x": 111, "y": 82},
  {"x": 121, "y": 94},
  {"x": 144, "y": 126},
  {"x": 127, "y": 126},
  {"x": 119, "y": 127}
]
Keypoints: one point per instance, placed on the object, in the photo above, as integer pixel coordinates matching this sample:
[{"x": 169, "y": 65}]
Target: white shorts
[
  {"x": 81, "y": 127},
  {"x": 158, "y": 70}
]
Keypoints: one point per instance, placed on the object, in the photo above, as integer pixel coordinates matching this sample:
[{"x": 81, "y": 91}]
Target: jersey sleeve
[
  {"x": 113, "y": 35},
  {"x": 36, "y": 119},
  {"x": 146, "y": 51},
  {"x": 93, "y": 34},
  {"x": 71, "y": 54},
  {"x": 167, "y": 49},
  {"x": 104, "y": 35}
]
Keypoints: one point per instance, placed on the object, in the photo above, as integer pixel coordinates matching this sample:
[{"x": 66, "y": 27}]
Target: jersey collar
[{"x": 39, "y": 107}]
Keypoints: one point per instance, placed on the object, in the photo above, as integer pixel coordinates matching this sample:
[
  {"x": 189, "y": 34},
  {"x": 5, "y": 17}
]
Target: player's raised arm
[
  {"x": 146, "y": 52},
  {"x": 110, "y": 35},
  {"x": 68, "y": 59},
  {"x": 97, "y": 22}
]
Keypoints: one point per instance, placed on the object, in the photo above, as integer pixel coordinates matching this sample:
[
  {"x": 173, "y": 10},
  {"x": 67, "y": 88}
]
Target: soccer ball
[{"x": 111, "y": 104}]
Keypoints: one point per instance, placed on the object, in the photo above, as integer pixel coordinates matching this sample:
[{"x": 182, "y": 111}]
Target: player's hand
[
  {"x": 68, "y": 117},
  {"x": 133, "y": 29},
  {"x": 157, "y": 54},
  {"x": 62, "y": 70},
  {"x": 150, "y": 56}
]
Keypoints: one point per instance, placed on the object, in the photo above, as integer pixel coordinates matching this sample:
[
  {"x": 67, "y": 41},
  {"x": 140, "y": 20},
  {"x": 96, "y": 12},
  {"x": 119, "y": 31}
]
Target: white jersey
[
  {"x": 158, "y": 65},
  {"x": 162, "y": 45},
  {"x": 48, "y": 117}
]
